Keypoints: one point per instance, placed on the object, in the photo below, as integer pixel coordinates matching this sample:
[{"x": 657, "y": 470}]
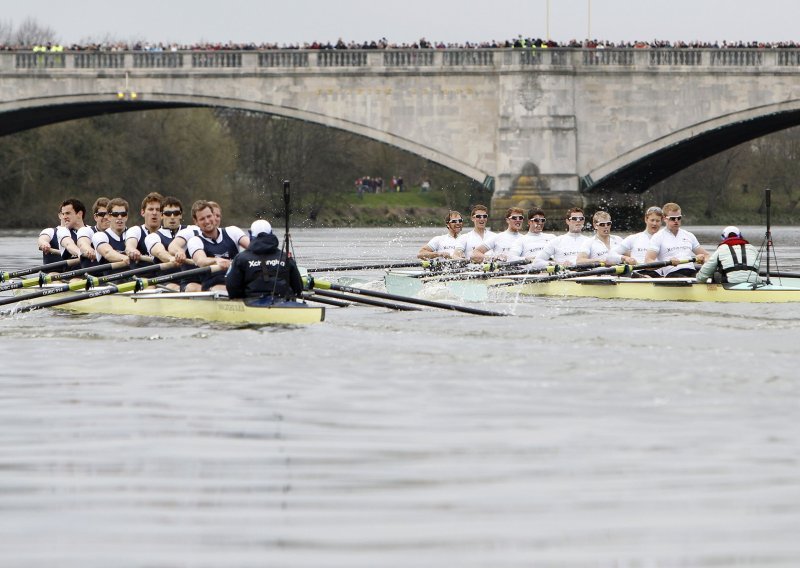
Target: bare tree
[{"x": 30, "y": 33}]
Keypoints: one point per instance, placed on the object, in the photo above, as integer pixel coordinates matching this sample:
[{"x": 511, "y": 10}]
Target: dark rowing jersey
[{"x": 109, "y": 237}]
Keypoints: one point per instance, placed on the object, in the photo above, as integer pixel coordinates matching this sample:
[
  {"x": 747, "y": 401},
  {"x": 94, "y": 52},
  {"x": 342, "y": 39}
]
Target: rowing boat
[
  {"x": 205, "y": 306},
  {"x": 780, "y": 290}
]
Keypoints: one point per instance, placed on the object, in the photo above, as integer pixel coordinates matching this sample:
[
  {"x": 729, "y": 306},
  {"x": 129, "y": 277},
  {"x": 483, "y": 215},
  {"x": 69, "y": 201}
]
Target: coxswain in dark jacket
[{"x": 263, "y": 269}]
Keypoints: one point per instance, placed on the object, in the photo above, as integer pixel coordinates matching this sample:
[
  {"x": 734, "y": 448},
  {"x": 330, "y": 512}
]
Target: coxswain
[
  {"x": 263, "y": 270},
  {"x": 734, "y": 261}
]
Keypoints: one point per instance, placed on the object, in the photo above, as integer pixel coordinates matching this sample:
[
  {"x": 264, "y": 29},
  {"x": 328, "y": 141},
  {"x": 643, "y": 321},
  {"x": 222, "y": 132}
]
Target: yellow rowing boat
[{"x": 205, "y": 306}]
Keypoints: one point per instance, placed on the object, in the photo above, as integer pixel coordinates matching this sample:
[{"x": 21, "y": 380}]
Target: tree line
[{"x": 236, "y": 158}]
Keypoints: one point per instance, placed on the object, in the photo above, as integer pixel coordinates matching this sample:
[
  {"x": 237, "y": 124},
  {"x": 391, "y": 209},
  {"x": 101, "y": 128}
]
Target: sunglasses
[
  {"x": 577, "y": 218},
  {"x": 537, "y": 220},
  {"x": 119, "y": 213},
  {"x": 100, "y": 213},
  {"x": 456, "y": 221},
  {"x": 172, "y": 213},
  {"x": 675, "y": 218},
  {"x": 604, "y": 224},
  {"x": 481, "y": 216},
  {"x": 516, "y": 217}
]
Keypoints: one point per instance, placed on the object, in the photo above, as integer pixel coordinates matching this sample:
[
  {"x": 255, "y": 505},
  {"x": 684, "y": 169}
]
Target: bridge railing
[{"x": 402, "y": 58}]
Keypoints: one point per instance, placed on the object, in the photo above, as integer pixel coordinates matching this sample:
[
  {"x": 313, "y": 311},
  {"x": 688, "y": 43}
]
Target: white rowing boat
[
  {"x": 205, "y": 306},
  {"x": 780, "y": 290}
]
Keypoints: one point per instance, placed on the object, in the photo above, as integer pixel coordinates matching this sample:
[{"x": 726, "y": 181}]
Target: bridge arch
[
  {"x": 654, "y": 161},
  {"x": 36, "y": 112}
]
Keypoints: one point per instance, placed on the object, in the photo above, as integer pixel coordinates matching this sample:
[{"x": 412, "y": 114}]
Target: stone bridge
[{"x": 545, "y": 126}]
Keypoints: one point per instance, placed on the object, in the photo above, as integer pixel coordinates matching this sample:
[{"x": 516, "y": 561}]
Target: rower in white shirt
[
  {"x": 636, "y": 245},
  {"x": 535, "y": 240},
  {"x": 442, "y": 246},
  {"x": 675, "y": 244},
  {"x": 563, "y": 250},
  {"x": 500, "y": 247},
  {"x": 467, "y": 242},
  {"x": 600, "y": 247}
]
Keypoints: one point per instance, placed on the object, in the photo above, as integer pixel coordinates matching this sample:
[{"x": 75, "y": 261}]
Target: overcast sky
[{"x": 297, "y": 21}]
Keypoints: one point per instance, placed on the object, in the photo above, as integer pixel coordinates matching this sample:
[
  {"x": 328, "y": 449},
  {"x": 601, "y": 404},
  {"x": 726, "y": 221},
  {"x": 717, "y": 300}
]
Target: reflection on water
[{"x": 578, "y": 433}]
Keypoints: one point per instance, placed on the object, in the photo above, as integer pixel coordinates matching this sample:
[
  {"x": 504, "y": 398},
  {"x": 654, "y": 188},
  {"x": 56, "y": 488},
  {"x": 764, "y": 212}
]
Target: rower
[
  {"x": 102, "y": 221},
  {"x": 674, "y": 244},
  {"x": 563, "y": 250},
  {"x": 135, "y": 236},
  {"x": 157, "y": 244},
  {"x": 467, "y": 242},
  {"x": 535, "y": 240},
  {"x": 263, "y": 270},
  {"x": 214, "y": 245},
  {"x": 636, "y": 245},
  {"x": 500, "y": 246},
  {"x": 110, "y": 244},
  {"x": 734, "y": 261},
  {"x": 599, "y": 248},
  {"x": 442, "y": 246},
  {"x": 63, "y": 238}
]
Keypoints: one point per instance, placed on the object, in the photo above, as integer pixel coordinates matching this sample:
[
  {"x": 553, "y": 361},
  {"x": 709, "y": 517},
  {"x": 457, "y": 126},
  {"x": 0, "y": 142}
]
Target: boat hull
[
  {"x": 205, "y": 306},
  {"x": 783, "y": 290}
]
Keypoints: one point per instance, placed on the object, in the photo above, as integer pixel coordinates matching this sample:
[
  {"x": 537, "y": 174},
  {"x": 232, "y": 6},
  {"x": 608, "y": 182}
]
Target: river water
[{"x": 577, "y": 433}]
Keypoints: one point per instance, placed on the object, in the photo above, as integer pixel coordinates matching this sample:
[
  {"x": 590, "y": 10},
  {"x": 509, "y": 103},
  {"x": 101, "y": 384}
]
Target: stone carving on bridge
[
  {"x": 529, "y": 182},
  {"x": 530, "y": 92}
]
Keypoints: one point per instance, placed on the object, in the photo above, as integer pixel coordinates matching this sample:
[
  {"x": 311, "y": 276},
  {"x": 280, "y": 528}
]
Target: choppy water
[{"x": 579, "y": 433}]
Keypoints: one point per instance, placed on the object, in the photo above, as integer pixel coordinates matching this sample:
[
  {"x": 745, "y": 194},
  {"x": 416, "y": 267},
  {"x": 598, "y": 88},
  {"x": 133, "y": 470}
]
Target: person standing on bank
[
  {"x": 734, "y": 261},
  {"x": 674, "y": 244},
  {"x": 263, "y": 270}
]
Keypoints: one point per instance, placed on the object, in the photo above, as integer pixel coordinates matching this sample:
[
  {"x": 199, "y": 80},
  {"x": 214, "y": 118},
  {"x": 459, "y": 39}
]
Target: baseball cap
[
  {"x": 726, "y": 232},
  {"x": 260, "y": 226}
]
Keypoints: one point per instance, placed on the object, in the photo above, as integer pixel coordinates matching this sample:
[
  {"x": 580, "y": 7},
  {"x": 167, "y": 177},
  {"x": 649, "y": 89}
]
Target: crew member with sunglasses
[
  {"x": 102, "y": 221},
  {"x": 110, "y": 244},
  {"x": 535, "y": 240},
  {"x": 600, "y": 247},
  {"x": 674, "y": 244},
  {"x": 479, "y": 235},
  {"x": 442, "y": 246},
  {"x": 499, "y": 248},
  {"x": 563, "y": 250}
]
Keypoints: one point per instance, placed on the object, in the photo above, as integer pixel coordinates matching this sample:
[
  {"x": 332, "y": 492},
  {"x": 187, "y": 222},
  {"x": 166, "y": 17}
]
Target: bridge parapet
[{"x": 438, "y": 59}]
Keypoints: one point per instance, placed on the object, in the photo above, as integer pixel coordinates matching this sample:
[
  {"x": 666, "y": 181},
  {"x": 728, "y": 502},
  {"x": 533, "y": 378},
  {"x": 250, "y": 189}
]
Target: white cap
[
  {"x": 260, "y": 226},
  {"x": 726, "y": 232}
]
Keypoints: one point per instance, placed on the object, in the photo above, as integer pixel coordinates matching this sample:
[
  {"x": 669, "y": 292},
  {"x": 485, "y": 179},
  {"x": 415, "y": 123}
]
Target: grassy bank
[{"x": 409, "y": 208}]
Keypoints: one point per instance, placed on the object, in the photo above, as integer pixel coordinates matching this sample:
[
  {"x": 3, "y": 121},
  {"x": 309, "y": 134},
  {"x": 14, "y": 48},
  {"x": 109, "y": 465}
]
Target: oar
[
  {"x": 366, "y": 267},
  {"x": 308, "y": 296},
  {"x": 133, "y": 286},
  {"x": 367, "y": 301},
  {"x": 89, "y": 282},
  {"x": 321, "y": 284},
  {"x": 25, "y": 271},
  {"x": 780, "y": 274}
]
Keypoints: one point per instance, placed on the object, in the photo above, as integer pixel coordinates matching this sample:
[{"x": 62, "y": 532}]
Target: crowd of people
[
  {"x": 383, "y": 43},
  {"x": 251, "y": 264},
  {"x": 676, "y": 249}
]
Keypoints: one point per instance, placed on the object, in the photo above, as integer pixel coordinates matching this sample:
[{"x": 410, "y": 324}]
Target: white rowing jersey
[
  {"x": 443, "y": 244},
  {"x": 562, "y": 249},
  {"x": 595, "y": 249},
  {"x": 634, "y": 245},
  {"x": 668, "y": 246},
  {"x": 503, "y": 243},
  {"x": 531, "y": 244},
  {"x": 466, "y": 242}
]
